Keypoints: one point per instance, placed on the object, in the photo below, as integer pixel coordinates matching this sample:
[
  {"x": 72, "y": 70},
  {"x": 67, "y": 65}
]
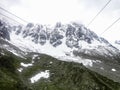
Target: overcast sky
[{"x": 51, "y": 11}]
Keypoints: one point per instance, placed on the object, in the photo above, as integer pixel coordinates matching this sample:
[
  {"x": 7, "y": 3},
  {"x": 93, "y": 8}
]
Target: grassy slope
[
  {"x": 67, "y": 76},
  {"x": 9, "y": 77},
  {"x": 63, "y": 75}
]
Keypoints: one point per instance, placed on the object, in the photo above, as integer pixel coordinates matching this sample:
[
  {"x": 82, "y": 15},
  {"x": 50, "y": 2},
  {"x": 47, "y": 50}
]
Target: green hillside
[{"x": 63, "y": 75}]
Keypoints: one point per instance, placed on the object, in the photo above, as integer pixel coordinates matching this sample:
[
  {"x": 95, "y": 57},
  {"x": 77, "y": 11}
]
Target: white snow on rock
[
  {"x": 62, "y": 52},
  {"x": 26, "y": 65},
  {"x": 34, "y": 56},
  {"x": 33, "y": 61},
  {"x": 40, "y": 75},
  {"x": 20, "y": 69},
  {"x": 113, "y": 69},
  {"x": 51, "y": 62},
  {"x": 101, "y": 68},
  {"x": 8, "y": 48},
  {"x": 23, "y": 44},
  {"x": 85, "y": 62},
  {"x": 2, "y": 53},
  {"x": 27, "y": 45}
]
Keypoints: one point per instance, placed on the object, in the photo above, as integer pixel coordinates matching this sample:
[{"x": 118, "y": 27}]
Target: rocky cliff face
[
  {"x": 73, "y": 33},
  {"x": 4, "y": 32}
]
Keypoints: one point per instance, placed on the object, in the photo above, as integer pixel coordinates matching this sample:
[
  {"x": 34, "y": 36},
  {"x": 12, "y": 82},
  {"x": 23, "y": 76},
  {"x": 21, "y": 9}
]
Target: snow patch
[
  {"x": 20, "y": 69},
  {"x": 33, "y": 61},
  {"x": 40, "y": 75},
  {"x": 97, "y": 61},
  {"x": 101, "y": 68},
  {"x": 2, "y": 52},
  {"x": 26, "y": 65},
  {"x": 51, "y": 62},
  {"x": 7, "y": 47},
  {"x": 85, "y": 62},
  {"x": 34, "y": 56},
  {"x": 113, "y": 69}
]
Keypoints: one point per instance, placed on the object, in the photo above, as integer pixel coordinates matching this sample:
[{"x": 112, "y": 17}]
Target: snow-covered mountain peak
[
  {"x": 58, "y": 40},
  {"x": 70, "y": 42}
]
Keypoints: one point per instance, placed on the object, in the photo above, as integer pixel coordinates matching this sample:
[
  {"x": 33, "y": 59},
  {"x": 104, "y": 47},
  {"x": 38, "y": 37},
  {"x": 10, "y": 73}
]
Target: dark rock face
[
  {"x": 42, "y": 37},
  {"x": 4, "y": 33},
  {"x": 55, "y": 38},
  {"x": 1, "y": 24},
  {"x": 19, "y": 29},
  {"x": 75, "y": 34},
  {"x": 30, "y": 25},
  {"x": 72, "y": 33}
]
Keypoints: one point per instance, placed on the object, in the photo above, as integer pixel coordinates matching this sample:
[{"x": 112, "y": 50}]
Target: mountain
[
  {"x": 61, "y": 38},
  {"x": 69, "y": 42},
  {"x": 63, "y": 57}
]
